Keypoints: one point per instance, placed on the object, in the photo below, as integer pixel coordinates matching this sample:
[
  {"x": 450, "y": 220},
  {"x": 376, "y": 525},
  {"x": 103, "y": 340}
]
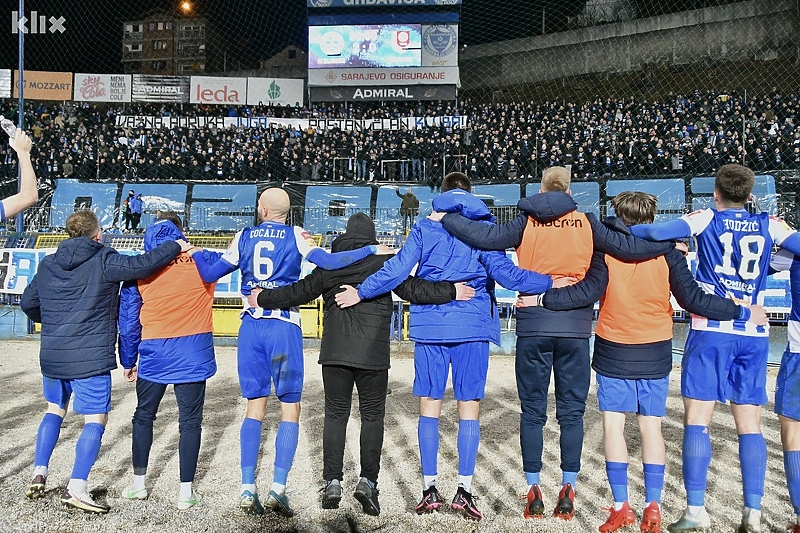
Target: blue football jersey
[
  {"x": 270, "y": 255},
  {"x": 733, "y": 254}
]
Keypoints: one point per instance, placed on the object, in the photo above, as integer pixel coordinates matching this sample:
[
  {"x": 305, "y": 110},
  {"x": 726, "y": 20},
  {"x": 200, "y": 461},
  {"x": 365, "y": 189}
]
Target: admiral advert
[
  {"x": 148, "y": 88},
  {"x": 367, "y": 94}
]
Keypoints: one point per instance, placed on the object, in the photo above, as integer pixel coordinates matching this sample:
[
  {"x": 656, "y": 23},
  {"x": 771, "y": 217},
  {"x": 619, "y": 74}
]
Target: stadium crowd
[{"x": 504, "y": 142}]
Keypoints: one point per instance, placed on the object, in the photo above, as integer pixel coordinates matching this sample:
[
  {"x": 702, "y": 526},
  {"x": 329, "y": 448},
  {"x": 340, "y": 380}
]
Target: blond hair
[
  {"x": 83, "y": 224},
  {"x": 635, "y": 207},
  {"x": 555, "y": 179}
]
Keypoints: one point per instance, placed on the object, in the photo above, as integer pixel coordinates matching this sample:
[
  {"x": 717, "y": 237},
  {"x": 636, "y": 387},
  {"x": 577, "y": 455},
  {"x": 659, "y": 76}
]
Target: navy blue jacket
[
  {"x": 643, "y": 363},
  {"x": 75, "y": 295},
  {"x": 544, "y": 207}
]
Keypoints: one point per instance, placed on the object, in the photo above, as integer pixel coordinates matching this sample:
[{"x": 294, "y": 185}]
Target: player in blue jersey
[
  {"x": 787, "y": 388},
  {"x": 270, "y": 347},
  {"x": 726, "y": 360},
  {"x": 28, "y": 193},
  {"x": 453, "y": 336}
]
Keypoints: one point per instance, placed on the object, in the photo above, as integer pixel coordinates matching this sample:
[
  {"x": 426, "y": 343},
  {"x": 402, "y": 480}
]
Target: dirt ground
[{"x": 499, "y": 481}]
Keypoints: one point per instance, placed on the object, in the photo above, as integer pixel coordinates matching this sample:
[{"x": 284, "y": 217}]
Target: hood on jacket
[
  {"x": 464, "y": 203},
  {"x": 72, "y": 253},
  {"x": 159, "y": 232},
  {"x": 360, "y": 232},
  {"x": 617, "y": 224},
  {"x": 547, "y": 206}
]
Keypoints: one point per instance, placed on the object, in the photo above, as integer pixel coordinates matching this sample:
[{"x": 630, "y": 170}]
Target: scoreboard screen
[{"x": 365, "y": 46}]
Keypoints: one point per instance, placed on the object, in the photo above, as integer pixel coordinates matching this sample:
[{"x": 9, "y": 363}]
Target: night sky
[
  {"x": 248, "y": 30},
  {"x": 251, "y": 30}
]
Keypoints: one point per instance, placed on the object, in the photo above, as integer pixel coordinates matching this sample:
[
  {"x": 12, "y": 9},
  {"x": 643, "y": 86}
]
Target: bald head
[{"x": 273, "y": 204}]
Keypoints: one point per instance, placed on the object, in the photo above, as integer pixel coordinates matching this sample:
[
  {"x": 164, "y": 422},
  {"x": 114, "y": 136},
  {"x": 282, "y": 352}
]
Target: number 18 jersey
[
  {"x": 269, "y": 255},
  {"x": 733, "y": 254}
]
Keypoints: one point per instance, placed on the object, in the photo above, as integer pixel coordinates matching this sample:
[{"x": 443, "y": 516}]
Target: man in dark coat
[
  {"x": 75, "y": 296},
  {"x": 409, "y": 207},
  {"x": 355, "y": 350}
]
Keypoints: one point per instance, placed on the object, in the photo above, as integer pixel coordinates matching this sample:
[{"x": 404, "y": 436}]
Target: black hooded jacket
[{"x": 357, "y": 336}]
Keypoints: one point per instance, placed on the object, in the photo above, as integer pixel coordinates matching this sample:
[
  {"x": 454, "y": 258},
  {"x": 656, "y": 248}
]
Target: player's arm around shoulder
[
  {"x": 396, "y": 269},
  {"x": 621, "y": 242},
  {"x": 691, "y": 297},
  {"x": 118, "y": 267},
  {"x": 484, "y": 236}
]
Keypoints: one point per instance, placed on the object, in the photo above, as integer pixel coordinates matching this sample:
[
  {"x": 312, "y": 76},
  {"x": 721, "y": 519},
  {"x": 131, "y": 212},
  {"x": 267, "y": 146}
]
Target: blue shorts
[
  {"x": 646, "y": 397},
  {"x": 270, "y": 351},
  {"x": 469, "y": 362},
  {"x": 92, "y": 395},
  {"x": 722, "y": 366},
  {"x": 787, "y": 387}
]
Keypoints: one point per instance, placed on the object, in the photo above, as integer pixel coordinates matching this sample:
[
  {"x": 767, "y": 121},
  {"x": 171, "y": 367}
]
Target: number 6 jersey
[
  {"x": 269, "y": 255},
  {"x": 733, "y": 254}
]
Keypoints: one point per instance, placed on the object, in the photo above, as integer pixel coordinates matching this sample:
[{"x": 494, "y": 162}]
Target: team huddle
[{"x": 567, "y": 261}]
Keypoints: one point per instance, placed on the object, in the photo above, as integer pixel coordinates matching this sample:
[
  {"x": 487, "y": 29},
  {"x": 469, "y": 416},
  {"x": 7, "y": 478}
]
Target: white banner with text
[{"x": 389, "y": 124}]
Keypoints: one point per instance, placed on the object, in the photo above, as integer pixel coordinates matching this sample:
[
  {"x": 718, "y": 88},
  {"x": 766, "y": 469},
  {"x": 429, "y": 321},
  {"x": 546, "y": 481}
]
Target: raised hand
[{"x": 21, "y": 143}]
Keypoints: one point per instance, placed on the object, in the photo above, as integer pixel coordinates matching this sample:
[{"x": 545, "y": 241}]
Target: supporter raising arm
[{"x": 28, "y": 193}]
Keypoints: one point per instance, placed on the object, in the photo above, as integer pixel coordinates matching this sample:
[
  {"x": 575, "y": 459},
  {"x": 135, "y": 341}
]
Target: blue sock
[
  {"x": 791, "y": 463},
  {"x": 285, "y": 448},
  {"x": 569, "y": 477},
  {"x": 696, "y": 459},
  {"x": 653, "y": 482},
  {"x": 617, "y": 474},
  {"x": 532, "y": 478},
  {"x": 250, "y": 444},
  {"x": 87, "y": 449},
  {"x": 469, "y": 437},
  {"x": 753, "y": 462},
  {"x": 428, "y": 435},
  {"x": 46, "y": 438}
]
